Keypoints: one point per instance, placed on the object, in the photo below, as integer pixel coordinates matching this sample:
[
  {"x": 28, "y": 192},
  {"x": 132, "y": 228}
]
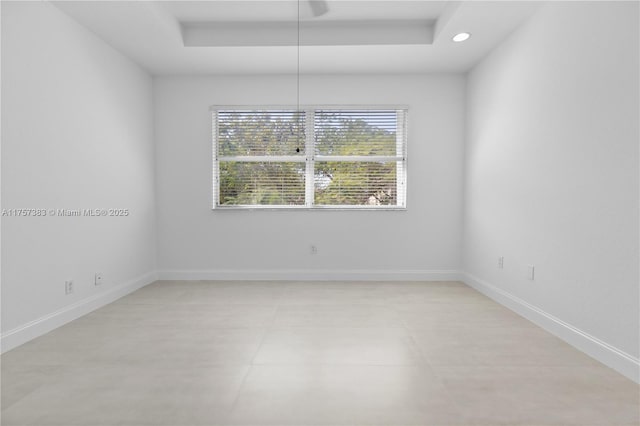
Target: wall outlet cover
[
  {"x": 99, "y": 278},
  {"x": 530, "y": 272}
]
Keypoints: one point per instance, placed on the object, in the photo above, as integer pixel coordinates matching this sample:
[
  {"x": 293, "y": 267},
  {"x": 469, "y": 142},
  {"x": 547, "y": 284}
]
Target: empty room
[{"x": 320, "y": 212}]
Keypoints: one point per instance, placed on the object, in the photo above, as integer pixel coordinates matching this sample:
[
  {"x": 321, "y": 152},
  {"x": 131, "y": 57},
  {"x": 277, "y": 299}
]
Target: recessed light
[{"x": 461, "y": 37}]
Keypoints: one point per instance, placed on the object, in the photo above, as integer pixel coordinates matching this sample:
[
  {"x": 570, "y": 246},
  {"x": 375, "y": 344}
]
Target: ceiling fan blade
[{"x": 318, "y": 7}]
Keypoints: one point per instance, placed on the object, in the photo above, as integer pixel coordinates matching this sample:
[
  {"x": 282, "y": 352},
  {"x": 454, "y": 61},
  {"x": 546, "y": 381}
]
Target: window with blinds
[{"x": 309, "y": 158}]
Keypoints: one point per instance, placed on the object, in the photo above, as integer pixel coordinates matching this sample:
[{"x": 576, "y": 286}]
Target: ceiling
[{"x": 266, "y": 36}]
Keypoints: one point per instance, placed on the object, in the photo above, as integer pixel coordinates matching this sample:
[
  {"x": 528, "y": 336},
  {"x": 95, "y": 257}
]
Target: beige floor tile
[
  {"x": 19, "y": 380},
  {"x": 68, "y": 345},
  {"x": 177, "y": 315},
  {"x": 132, "y": 395},
  {"x": 542, "y": 395},
  {"x": 120, "y": 314},
  {"x": 168, "y": 346},
  {"x": 209, "y": 292},
  {"x": 205, "y": 353},
  {"x": 156, "y": 294},
  {"x": 229, "y": 292},
  {"x": 234, "y": 315},
  {"x": 331, "y": 293},
  {"x": 342, "y": 395},
  {"x": 336, "y": 316},
  {"x": 364, "y": 346},
  {"x": 496, "y": 346},
  {"x": 403, "y": 294},
  {"x": 450, "y": 315}
]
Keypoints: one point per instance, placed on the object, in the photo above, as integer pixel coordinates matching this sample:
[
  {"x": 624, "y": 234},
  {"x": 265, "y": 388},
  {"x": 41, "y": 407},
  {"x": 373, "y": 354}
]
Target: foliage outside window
[{"x": 309, "y": 158}]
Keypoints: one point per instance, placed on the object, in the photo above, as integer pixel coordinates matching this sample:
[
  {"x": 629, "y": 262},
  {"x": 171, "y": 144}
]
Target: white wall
[
  {"x": 228, "y": 244},
  {"x": 77, "y": 132},
  {"x": 552, "y": 169}
]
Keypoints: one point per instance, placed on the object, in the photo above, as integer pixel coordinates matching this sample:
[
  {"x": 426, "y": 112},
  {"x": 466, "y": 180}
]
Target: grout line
[
  {"x": 240, "y": 387},
  {"x": 250, "y": 366},
  {"x": 413, "y": 340}
]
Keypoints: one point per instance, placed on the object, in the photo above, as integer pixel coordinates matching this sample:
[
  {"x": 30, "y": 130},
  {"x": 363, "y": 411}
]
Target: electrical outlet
[
  {"x": 68, "y": 287},
  {"x": 314, "y": 249},
  {"x": 501, "y": 262},
  {"x": 530, "y": 272},
  {"x": 99, "y": 278}
]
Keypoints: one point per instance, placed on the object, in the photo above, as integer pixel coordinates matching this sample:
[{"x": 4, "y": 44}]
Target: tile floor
[{"x": 301, "y": 353}]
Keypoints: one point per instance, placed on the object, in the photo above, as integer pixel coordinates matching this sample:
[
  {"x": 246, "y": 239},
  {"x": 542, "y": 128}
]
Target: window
[{"x": 309, "y": 158}]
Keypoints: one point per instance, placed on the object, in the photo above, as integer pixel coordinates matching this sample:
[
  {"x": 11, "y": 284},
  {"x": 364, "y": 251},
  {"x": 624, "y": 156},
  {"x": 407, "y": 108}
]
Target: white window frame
[{"x": 310, "y": 158}]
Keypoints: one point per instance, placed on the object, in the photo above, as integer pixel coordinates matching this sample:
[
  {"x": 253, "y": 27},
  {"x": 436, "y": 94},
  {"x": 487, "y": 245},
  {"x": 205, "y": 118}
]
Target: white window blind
[{"x": 313, "y": 158}]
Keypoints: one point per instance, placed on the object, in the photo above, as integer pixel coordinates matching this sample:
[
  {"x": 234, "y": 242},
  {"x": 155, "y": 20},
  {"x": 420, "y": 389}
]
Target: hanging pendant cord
[
  {"x": 298, "y": 76},
  {"x": 298, "y": 61}
]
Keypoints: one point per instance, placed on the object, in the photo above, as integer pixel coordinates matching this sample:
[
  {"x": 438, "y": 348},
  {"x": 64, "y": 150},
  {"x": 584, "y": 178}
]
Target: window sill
[{"x": 305, "y": 208}]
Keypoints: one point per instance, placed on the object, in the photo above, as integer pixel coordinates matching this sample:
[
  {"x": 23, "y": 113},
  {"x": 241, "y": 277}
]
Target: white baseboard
[
  {"x": 311, "y": 275},
  {"x": 607, "y": 354},
  {"x": 47, "y": 323}
]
